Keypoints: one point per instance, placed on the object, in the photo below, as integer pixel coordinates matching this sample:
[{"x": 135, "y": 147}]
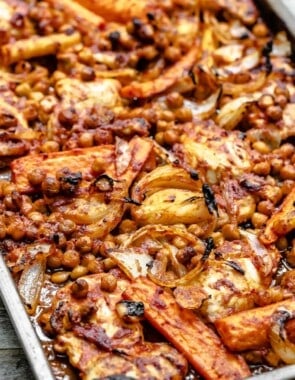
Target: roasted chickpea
[
  {"x": 84, "y": 244},
  {"x": 59, "y": 277},
  {"x": 274, "y": 112},
  {"x": 50, "y": 186},
  {"x": 86, "y": 140},
  {"x": 36, "y": 177},
  {"x": 174, "y": 100},
  {"x": 126, "y": 226},
  {"x": 265, "y": 207},
  {"x": 230, "y": 232},
  {"x": 2, "y": 230},
  {"x": 78, "y": 271},
  {"x": 71, "y": 258},
  {"x": 54, "y": 260},
  {"x": 260, "y": 30},
  {"x": 108, "y": 283},
  {"x": 87, "y": 73},
  {"x": 288, "y": 172},
  {"x": 266, "y": 101},
  {"x": 258, "y": 220},
  {"x": 262, "y": 168},
  {"x": 79, "y": 288},
  {"x": 67, "y": 226},
  {"x": 50, "y": 146}
]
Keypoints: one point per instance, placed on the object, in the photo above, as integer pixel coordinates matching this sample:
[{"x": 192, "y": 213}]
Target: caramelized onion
[{"x": 31, "y": 282}]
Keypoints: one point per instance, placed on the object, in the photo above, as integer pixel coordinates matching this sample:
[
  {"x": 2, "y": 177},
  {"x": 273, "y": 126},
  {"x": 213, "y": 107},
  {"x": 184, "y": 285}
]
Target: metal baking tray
[{"x": 277, "y": 14}]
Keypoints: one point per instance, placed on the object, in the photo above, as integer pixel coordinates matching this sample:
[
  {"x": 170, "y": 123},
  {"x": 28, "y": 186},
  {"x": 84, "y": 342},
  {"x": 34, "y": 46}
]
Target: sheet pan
[{"x": 277, "y": 13}]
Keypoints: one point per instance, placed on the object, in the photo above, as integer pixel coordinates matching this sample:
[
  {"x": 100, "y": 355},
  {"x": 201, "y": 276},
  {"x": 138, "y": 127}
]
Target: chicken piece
[
  {"x": 100, "y": 343},
  {"x": 232, "y": 280},
  {"x": 187, "y": 332},
  {"x": 249, "y": 329},
  {"x": 95, "y": 201},
  {"x": 214, "y": 152},
  {"x": 104, "y": 92}
]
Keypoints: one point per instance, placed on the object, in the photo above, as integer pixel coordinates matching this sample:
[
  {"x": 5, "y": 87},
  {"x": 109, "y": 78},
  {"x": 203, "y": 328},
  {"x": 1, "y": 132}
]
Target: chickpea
[
  {"x": 36, "y": 217},
  {"x": 274, "y": 112},
  {"x": 258, "y": 220},
  {"x": 36, "y": 177},
  {"x": 159, "y": 137},
  {"x": 79, "y": 288},
  {"x": 286, "y": 150},
  {"x": 260, "y": 30},
  {"x": 49, "y": 147},
  {"x": 230, "y": 232},
  {"x": 50, "y": 186},
  {"x": 266, "y": 101},
  {"x": 288, "y": 172},
  {"x": 54, "y": 260},
  {"x": 71, "y": 259},
  {"x": 86, "y": 140},
  {"x": 183, "y": 115},
  {"x": 277, "y": 164},
  {"x": 282, "y": 243},
  {"x": 108, "y": 264},
  {"x": 108, "y": 283},
  {"x": 16, "y": 229},
  {"x": 174, "y": 100},
  {"x": 287, "y": 186},
  {"x": 167, "y": 115},
  {"x": 179, "y": 242},
  {"x": 87, "y": 73},
  {"x": 84, "y": 244},
  {"x": 67, "y": 226},
  {"x": 171, "y": 137},
  {"x": 67, "y": 117},
  {"x": 95, "y": 266},
  {"x": 60, "y": 277},
  {"x": 103, "y": 136},
  {"x": 126, "y": 226},
  {"x": 262, "y": 168},
  {"x": 281, "y": 100},
  {"x": 279, "y": 90},
  {"x": 265, "y": 207},
  {"x": 78, "y": 271},
  {"x": 9, "y": 203},
  {"x": 261, "y": 147}
]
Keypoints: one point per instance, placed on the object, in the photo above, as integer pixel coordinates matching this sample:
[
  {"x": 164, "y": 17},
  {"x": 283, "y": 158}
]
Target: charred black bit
[
  {"x": 103, "y": 183},
  {"x": 69, "y": 181},
  {"x": 192, "y": 76},
  {"x": 137, "y": 23},
  {"x": 251, "y": 186},
  {"x": 55, "y": 238},
  {"x": 131, "y": 201},
  {"x": 193, "y": 174},
  {"x": 209, "y": 198},
  {"x": 209, "y": 245},
  {"x": 150, "y": 16},
  {"x": 133, "y": 308},
  {"x": 114, "y": 37},
  {"x": 266, "y": 53},
  {"x": 235, "y": 266},
  {"x": 282, "y": 316}
]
